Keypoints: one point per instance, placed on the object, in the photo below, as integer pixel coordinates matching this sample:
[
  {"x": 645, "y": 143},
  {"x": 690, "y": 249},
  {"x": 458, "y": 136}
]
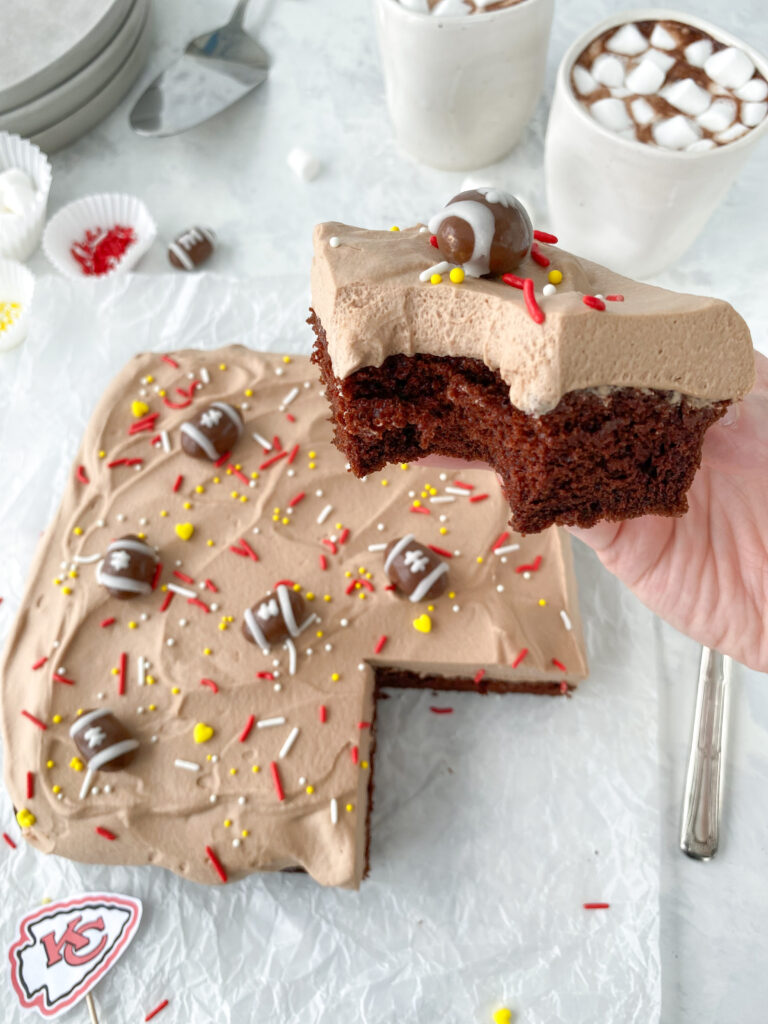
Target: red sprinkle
[
  {"x": 344, "y": 535},
  {"x": 479, "y": 676},
  {"x": 212, "y": 586},
  {"x": 171, "y": 362},
  {"x": 247, "y": 729},
  {"x": 199, "y": 604},
  {"x": 441, "y": 551},
  {"x": 363, "y": 725},
  {"x": 100, "y": 251},
  {"x": 34, "y": 721},
  {"x": 248, "y": 549},
  {"x": 39, "y": 663},
  {"x": 30, "y": 785},
  {"x": 539, "y": 257},
  {"x": 354, "y": 754},
  {"x": 218, "y": 867},
  {"x": 238, "y": 551},
  {"x": 105, "y": 833},
  {"x": 544, "y": 236},
  {"x": 296, "y": 499},
  {"x": 323, "y": 562},
  {"x": 284, "y": 583},
  {"x": 145, "y": 423},
  {"x": 441, "y": 711},
  {"x": 420, "y": 508},
  {"x": 240, "y": 475},
  {"x": 179, "y": 481},
  {"x": 596, "y": 906},
  {"x": 273, "y": 459},
  {"x": 121, "y": 674},
  {"x": 593, "y": 302},
  {"x": 182, "y": 576},
  {"x": 167, "y": 600},
  {"x": 294, "y": 452},
  {"x": 276, "y": 779},
  {"x": 533, "y": 567},
  {"x": 176, "y": 405},
  {"x": 82, "y": 476},
  {"x": 124, "y": 462},
  {"x": 518, "y": 660},
  {"x": 265, "y": 675},
  {"x": 107, "y": 622},
  {"x": 277, "y": 444},
  {"x": 158, "y": 574},
  {"x": 559, "y": 665},
  {"x": 8, "y": 840},
  {"x": 433, "y": 240},
  {"x": 160, "y": 1006},
  {"x": 58, "y": 678},
  {"x": 500, "y": 540},
  {"x": 513, "y": 280},
  {"x": 479, "y": 497},
  {"x": 323, "y": 714},
  {"x": 352, "y": 585},
  {"x": 465, "y": 487},
  {"x": 614, "y": 298},
  {"x": 329, "y": 544},
  {"x": 290, "y": 417},
  {"x": 380, "y": 644},
  {"x": 210, "y": 684},
  {"x": 534, "y": 309},
  {"x": 221, "y": 460}
]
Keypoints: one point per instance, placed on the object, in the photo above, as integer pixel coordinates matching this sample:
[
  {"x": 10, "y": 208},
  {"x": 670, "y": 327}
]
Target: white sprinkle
[
  {"x": 214, "y": 758},
  {"x": 344, "y": 622},
  {"x": 423, "y": 229},
  {"x": 99, "y": 522},
  {"x": 443, "y": 476},
  {"x": 265, "y": 444},
  {"x": 456, "y": 490},
  {"x": 120, "y": 517},
  {"x": 292, "y": 395},
  {"x": 318, "y": 494},
  {"x": 165, "y": 441},
  {"x": 289, "y": 472},
  {"x": 184, "y": 591},
  {"x": 324, "y": 514},
  {"x": 291, "y": 648},
  {"x": 267, "y": 723},
  {"x": 441, "y": 500},
  {"x": 107, "y": 789},
  {"x": 241, "y": 800},
  {"x": 379, "y": 526},
  {"x": 170, "y": 641},
  {"x": 500, "y": 588},
  {"x": 286, "y": 747},
  {"x": 100, "y": 695},
  {"x": 456, "y": 608},
  {"x": 334, "y": 811},
  {"x": 277, "y": 687},
  {"x": 334, "y": 242},
  {"x": 235, "y": 842},
  {"x": 302, "y": 780},
  {"x": 376, "y": 547},
  {"x": 328, "y": 647},
  {"x": 548, "y": 289},
  {"x": 214, "y": 606},
  {"x": 142, "y": 669},
  {"x": 205, "y": 377},
  {"x": 506, "y": 549},
  {"x": 526, "y": 575},
  {"x": 212, "y": 798},
  {"x": 566, "y": 620},
  {"x": 279, "y": 371},
  {"x": 189, "y": 766},
  {"x": 85, "y": 559},
  {"x": 437, "y": 268}
]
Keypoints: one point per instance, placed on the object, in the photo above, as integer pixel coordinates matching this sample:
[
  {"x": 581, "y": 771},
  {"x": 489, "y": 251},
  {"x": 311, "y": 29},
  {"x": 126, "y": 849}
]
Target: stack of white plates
[{"x": 65, "y": 66}]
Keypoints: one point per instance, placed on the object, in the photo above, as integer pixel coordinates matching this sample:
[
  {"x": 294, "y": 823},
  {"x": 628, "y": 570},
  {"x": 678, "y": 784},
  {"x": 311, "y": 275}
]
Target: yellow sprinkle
[
  {"x": 76, "y": 764},
  {"x": 255, "y": 768},
  {"x": 55, "y": 789},
  {"x": 73, "y": 574},
  {"x": 233, "y": 494},
  {"x": 403, "y": 465},
  {"x": 227, "y": 823},
  {"x": 162, "y": 392},
  {"x": 275, "y": 519},
  {"x": 385, "y": 483},
  {"x": 132, "y": 625},
  {"x": 312, "y": 465},
  {"x": 443, "y": 530},
  {"x": 150, "y": 680},
  {"x": 223, "y": 625},
  {"x": 286, "y": 359},
  {"x": 222, "y": 366},
  {"x": 479, "y": 559},
  {"x": 430, "y": 607},
  {"x": 394, "y": 228},
  {"x": 433, "y": 491},
  {"x": 115, "y": 671},
  {"x": 77, "y": 531},
  {"x": 25, "y": 818},
  {"x": 335, "y": 677},
  {"x": 175, "y": 690},
  {"x": 153, "y": 707},
  {"x": 347, "y": 574},
  {"x": 139, "y": 409},
  {"x": 254, "y": 476},
  {"x": 363, "y": 764},
  {"x": 417, "y": 503},
  {"x": 164, "y": 513},
  {"x": 555, "y": 276},
  {"x": 66, "y": 590},
  {"x": 229, "y": 471},
  {"x": 456, "y": 275},
  {"x": 350, "y": 807},
  {"x": 310, "y": 790},
  {"x": 309, "y": 595},
  {"x": 217, "y": 479},
  {"x": 249, "y": 392},
  {"x": 452, "y": 594},
  {"x": 149, "y": 379},
  {"x": 361, "y": 570},
  {"x": 542, "y": 602},
  {"x": 502, "y": 1016},
  {"x": 319, "y": 633},
  {"x": 277, "y": 509},
  {"x": 207, "y": 650},
  {"x": 327, "y": 597},
  {"x": 436, "y": 279},
  {"x": 233, "y": 771},
  {"x": 245, "y": 833},
  {"x": 50, "y": 764},
  {"x": 312, "y": 455},
  {"x": 424, "y": 494},
  {"x": 142, "y": 536},
  {"x": 57, "y": 581},
  {"x": 361, "y": 595},
  {"x": 297, "y": 587},
  {"x": 102, "y": 454},
  {"x": 285, "y": 520},
  {"x": 209, "y": 543},
  {"x": 208, "y": 757}
]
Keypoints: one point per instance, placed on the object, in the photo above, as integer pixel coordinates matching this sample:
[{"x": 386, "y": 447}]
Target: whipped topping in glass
[{"x": 452, "y": 8}]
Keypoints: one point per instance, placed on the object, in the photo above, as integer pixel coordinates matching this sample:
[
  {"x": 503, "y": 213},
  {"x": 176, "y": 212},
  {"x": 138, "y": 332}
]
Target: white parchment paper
[{"x": 491, "y": 827}]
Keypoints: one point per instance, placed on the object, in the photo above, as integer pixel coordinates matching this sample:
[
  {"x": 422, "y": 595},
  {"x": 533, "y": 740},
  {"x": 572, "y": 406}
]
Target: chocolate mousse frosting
[
  {"x": 368, "y": 295},
  {"x": 148, "y": 726}
]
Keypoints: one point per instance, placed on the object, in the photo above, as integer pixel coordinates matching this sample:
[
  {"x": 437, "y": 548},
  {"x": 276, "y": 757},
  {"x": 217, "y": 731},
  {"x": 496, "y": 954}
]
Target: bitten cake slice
[
  {"x": 478, "y": 338},
  {"x": 191, "y": 680}
]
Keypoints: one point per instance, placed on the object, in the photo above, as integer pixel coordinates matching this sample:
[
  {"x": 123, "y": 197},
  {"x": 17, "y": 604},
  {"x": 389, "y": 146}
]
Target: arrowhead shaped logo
[{"x": 63, "y": 949}]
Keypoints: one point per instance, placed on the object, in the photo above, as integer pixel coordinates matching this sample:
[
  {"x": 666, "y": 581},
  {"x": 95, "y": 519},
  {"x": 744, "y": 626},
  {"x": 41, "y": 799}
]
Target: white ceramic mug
[
  {"x": 461, "y": 89},
  {"x": 633, "y": 207}
]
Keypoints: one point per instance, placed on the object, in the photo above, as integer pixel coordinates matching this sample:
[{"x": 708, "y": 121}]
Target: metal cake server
[
  {"x": 216, "y": 70},
  {"x": 702, "y": 802}
]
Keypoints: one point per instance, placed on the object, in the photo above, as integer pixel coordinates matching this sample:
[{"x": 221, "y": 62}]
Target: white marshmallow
[
  {"x": 663, "y": 39},
  {"x": 303, "y": 164},
  {"x": 620, "y": 93},
  {"x": 642, "y": 111},
  {"x": 730, "y": 68},
  {"x": 583, "y": 82},
  {"x": 753, "y": 113},
  {"x": 675, "y": 132},
  {"x": 687, "y": 96},
  {"x": 629, "y": 41},
  {"x": 731, "y": 134},
  {"x": 698, "y": 53},
  {"x": 719, "y": 116},
  {"x": 701, "y": 146},
  {"x": 17, "y": 192},
  {"x": 755, "y": 89},
  {"x": 611, "y": 113},
  {"x": 646, "y": 78},
  {"x": 608, "y": 70},
  {"x": 661, "y": 60}
]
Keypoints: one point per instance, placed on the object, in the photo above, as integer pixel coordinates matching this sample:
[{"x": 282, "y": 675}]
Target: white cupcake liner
[
  {"x": 105, "y": 211},
  {"x": 16, "y": 285},
  {"x": 20, "y": 238}
]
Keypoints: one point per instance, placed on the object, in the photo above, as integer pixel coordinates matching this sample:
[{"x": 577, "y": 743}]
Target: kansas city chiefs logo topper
[{"x": 63, "y": 949}]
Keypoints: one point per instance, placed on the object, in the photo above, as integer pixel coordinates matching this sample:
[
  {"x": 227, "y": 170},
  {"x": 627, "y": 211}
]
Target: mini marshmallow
[
  {"x": 642, "y": 111},
  {"x": 753, "y": 113},
  {"x": 675, "y": 132},
  {"x": 17, "y": 192},
  {"x": 661, "y": 38},
  {"x": 646, "y": 78},
  {"x": 303, "y": 164},
  {"x": 583, "y": 82},
  {"x": 620, "y": 93},
  {"x": 731, "y": 134},
  {"x": 685, "y": 95},
  {"x": 730, "y": 68},
  {"x": 720, "y": 115},
  {"x": 701, "y": 146},
  {"x": 755, "y": 89},
  {"x": 628, "y": 41},
  {"x": 661, "y": 60},
  {"x": 608, "y": 70},
  {"x": 611, "y": 113},
  {"x": 697, "y": 54}
]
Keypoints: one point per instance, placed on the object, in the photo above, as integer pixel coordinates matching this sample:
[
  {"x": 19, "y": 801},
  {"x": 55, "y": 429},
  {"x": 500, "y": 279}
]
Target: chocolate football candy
[
  {"x": 191, "y": 248},
  {"x": 484, "y": 230},
  {"x": 416, "y": 571},
  {"x": 280, "y": 616},
  {"x": 212, "y": 433},
  {"x": 104, "y": 742},
  {"x": 128, "y": 568}
]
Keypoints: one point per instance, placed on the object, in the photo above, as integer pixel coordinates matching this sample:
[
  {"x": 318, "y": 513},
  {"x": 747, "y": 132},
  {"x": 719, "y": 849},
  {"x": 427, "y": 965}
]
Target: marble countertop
[{"x": 325, "y": 94}]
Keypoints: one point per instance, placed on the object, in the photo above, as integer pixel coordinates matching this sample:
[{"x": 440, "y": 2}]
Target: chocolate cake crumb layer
[
  {"x": 404, "y": 679},
  {"x": 599, "y": 454}
]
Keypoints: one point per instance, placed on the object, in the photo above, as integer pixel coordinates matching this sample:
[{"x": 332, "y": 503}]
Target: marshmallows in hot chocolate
[{"x": 671, "y": 85}]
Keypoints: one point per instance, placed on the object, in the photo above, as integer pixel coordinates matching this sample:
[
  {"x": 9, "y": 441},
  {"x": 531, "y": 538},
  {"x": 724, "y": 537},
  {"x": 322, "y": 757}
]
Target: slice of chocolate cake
[{"x": 478, "y": 338}]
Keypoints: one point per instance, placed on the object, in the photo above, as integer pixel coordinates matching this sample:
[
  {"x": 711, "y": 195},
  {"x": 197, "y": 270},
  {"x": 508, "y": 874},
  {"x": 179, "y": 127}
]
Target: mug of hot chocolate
[
  {"x": 653, "y": 116},
  {"x": 462, "y": 77}
]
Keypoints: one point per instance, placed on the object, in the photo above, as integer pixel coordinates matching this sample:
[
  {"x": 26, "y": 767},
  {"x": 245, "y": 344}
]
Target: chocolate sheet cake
[
  {"x": 191, "y": 680},
  {"x": 588, "y": 393}
]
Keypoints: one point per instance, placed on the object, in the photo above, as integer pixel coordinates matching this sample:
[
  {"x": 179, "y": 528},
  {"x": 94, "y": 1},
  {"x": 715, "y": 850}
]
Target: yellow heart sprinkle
[
  {"x": 202, "y": 732},
  {"x": 184, "y": 530},
  {"x": 25, "y": 818},
  {"x": 503, "y": 1016},
  {"x": 423, "y": 624},
  {"x": 139, "y": 409}
]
